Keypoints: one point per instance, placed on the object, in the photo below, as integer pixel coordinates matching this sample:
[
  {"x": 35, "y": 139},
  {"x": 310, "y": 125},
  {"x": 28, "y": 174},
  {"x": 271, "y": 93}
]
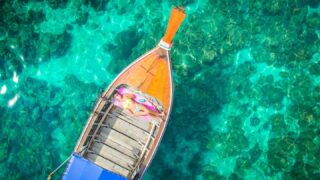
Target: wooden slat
[
  {"x": 115, "y": 145},
  {"x": 145, "y": 125},
  {"x": 113, "y": 155},
  {"x": 92, "y": 119},
  {"x": 136, "y": 122},
  {"x": 100, "y": 161},
  {"x": 126, "y": 128},
  {"x": 119, "y": 138},
  {"x": 144, "y": 151}
]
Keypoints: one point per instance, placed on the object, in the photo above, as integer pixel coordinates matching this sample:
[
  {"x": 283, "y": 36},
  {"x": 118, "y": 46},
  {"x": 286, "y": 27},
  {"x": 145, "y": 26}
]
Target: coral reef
[{"x": 247, "y": 87}]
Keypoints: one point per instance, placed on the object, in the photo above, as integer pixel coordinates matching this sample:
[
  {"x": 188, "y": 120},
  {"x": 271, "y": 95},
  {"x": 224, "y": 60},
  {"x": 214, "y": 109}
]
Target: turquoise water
[{"x": 246, "y": 73}]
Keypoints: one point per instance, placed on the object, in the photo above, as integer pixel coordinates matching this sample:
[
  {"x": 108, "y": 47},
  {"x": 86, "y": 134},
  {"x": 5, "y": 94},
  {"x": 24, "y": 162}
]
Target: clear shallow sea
[{"x": 246, "y": 72}]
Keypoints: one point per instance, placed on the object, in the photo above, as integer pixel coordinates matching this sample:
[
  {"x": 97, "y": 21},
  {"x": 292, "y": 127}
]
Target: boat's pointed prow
[{"x": 176, "y": 17}]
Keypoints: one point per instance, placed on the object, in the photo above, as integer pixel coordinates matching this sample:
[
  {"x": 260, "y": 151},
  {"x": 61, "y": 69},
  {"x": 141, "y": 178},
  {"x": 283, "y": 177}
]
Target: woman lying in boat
[{"x": 126, "y": 101}]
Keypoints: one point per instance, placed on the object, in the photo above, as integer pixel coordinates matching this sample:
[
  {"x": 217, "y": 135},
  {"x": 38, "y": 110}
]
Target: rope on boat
[{"x": 54, "y": 171}]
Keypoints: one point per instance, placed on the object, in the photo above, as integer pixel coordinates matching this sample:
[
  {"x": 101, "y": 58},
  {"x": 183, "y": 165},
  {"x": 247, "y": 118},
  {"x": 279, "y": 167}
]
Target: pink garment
[{"x": 138, "y": 99}]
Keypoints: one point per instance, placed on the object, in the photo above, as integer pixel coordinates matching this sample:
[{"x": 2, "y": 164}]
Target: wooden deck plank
[
  {"x": 100, "y": 161},
  {"x": 115, "y": 145},
  {"x": 119, "y": 138},
  {"x": 135, "y": 122},
  {"x": 126, "y": 128},
  {"x": 145, "y": 125},
  {"x": 113, "y": 155}
]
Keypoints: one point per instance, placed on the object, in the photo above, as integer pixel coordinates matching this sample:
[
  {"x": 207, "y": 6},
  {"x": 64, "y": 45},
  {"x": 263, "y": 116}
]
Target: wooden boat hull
[
  {"x": 116, "y": 141},
  {"x": 151, "y": 74}
]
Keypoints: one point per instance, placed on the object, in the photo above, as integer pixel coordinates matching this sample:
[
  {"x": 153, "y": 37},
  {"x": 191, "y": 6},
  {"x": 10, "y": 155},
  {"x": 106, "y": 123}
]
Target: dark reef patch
[
  {"x": 122, "y": 49},
  {"x": 82, "y": 18},
  {"x": 52, "y": 45},
  {"x": 125, "y": 42},
  {"x": 55, "y": 4},
  {"x": 97, "y": 5},
  {"x": 254, "y": 121},
  {"x": 37, "y": 17},
  {"x": 255, "y": 153},
  {"x": 282, "y": 153}
]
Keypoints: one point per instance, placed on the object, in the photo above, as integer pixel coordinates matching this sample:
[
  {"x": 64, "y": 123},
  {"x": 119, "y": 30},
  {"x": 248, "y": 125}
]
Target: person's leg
[{"x": 143, "y": 108}]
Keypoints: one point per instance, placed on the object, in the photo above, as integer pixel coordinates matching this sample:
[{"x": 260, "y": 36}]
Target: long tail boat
[{"x": 115, "y": 143}]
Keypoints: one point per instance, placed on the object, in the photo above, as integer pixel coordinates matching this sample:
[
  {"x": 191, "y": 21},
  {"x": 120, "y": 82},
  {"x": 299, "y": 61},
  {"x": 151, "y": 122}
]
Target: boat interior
[{"x": 117, "y": 140}]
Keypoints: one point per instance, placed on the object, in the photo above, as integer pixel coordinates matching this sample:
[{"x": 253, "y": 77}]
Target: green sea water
[{"x": 246, "y": 74}]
